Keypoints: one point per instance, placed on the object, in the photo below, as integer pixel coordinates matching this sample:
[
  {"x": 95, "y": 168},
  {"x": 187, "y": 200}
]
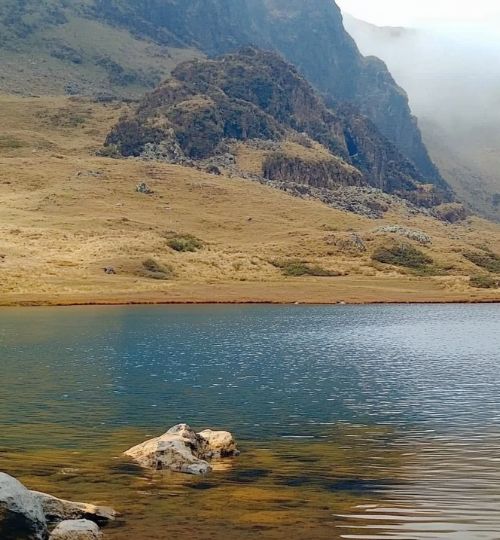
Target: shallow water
[{"x": 365, "y": 422}]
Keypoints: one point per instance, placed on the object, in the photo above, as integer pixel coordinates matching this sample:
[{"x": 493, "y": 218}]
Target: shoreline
[{"x": 265, "y": 293}]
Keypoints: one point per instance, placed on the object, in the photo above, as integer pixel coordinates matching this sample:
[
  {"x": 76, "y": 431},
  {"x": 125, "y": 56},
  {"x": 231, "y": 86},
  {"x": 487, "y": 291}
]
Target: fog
[{"x": 451, "y": 72}]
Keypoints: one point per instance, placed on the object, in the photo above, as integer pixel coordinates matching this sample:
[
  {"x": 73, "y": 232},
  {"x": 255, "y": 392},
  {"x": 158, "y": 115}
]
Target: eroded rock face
[
  {"x": 81, "y": 529},
  {"x": 21, "y": 513},
  {"x": 183, "y": 450},
  {"x": 58, "y": 509}
]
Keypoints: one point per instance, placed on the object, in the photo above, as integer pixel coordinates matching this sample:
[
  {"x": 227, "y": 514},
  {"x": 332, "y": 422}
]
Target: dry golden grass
[{"x": 66, "y": 214}]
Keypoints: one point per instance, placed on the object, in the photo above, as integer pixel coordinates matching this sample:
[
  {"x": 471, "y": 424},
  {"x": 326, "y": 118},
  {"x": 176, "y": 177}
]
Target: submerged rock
[
  {"x": 180, "y": 449},
  {"x": 58, "y": 509},
  {"x": 21, "y": 513},
  {"x": 81, "y": 529}
]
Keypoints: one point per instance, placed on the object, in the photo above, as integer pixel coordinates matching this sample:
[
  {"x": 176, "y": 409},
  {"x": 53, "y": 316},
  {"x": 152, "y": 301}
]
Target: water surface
[{"x": 355, "y": 421}]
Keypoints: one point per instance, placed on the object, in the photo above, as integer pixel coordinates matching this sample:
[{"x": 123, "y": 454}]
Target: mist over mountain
[{"x": 452, "y": 77}]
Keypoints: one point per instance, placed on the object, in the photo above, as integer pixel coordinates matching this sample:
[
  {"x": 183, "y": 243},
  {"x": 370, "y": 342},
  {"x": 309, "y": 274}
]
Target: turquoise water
[{"x": 411, "y": 390}]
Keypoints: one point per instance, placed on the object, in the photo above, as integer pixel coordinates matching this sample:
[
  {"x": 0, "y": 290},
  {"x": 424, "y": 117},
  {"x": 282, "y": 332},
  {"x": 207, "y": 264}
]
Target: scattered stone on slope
[
  {"x": 180, "y": 449},
  {"x": 411, "y": 234},
  {"x": 81, "y": 529},
  {"x": 144, "y": 189},
  {"x": 21, "y": 513}
]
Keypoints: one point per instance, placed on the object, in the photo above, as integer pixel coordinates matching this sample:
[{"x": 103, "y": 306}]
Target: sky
[{"x": 484, "y": 13}]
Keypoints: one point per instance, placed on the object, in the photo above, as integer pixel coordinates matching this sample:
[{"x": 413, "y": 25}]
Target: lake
[{"x": 362, "y": 422}]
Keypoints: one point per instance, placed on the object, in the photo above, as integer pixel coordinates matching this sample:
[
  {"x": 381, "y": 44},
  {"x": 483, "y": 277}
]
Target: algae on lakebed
[{"x": 284, "y": 488}]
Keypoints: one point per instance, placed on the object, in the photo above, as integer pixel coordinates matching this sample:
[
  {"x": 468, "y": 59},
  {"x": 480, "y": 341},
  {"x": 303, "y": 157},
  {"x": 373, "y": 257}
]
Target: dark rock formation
[
  {"x": 254, "y": 94},
  {"x": 309, "y": 33}
]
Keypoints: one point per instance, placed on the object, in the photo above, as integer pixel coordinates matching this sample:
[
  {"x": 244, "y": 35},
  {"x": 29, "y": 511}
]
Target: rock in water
[
  {"x": 58, "y": 509},
  {"x": 180, "y": 449},
  {"x": 220, "y": 444},
  {"x": 80, "y": 529},
  {"x": 21, "y": 513}
]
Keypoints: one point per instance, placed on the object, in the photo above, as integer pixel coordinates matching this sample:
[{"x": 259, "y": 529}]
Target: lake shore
[{"x": 303, "y": 291}]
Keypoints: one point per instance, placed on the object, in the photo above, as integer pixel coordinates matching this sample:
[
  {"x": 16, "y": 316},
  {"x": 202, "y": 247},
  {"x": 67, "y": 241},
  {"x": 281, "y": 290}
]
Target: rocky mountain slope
[
  {"x": 453, "y": 81},
  {"x": 207, "y": 105},
  {"x": 125, "y": 46}
]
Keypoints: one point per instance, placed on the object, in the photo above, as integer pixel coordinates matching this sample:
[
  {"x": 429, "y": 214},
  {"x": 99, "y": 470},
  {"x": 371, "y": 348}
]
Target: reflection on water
[{"x": 356, "y": 422}]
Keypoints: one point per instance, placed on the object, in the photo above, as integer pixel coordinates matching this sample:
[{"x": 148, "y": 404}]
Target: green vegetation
[
  {"x": 184, "y": 242},
  {"x": 154, "y": 270},
  {"x": 402, "y": 254},
  {"x": 295, "y": 268},
  {"x": 10, "y": 143},
  {"x": 484, "y": 282},
  {"x": 486, "y": 259}
]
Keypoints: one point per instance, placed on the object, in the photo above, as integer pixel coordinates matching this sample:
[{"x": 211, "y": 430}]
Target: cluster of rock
[
  {"x": 411, "y": 234},
  {"x": 183, "y": 450},
  {"x": 29, "y": 515},
  {"x": 364, "y": 201},
  {"x": 32, "y": 515}
]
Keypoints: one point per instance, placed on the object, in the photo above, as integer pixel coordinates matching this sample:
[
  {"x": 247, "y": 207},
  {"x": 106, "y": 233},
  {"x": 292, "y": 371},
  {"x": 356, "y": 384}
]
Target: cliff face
[
  {"x": 253, "y": 94},
  {"x": 309, "y": 33}
]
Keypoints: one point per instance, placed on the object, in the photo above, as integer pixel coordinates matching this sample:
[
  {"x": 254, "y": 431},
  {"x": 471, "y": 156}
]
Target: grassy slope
[
  {"x": 66, "y": 214},
  {"x": 25, "y": 73}
]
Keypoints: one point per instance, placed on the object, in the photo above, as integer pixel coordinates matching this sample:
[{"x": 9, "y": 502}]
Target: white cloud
[{"x": 424, "y": 12}]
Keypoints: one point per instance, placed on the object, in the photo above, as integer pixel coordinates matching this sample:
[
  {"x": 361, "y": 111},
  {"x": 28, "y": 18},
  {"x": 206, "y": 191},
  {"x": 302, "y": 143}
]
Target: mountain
[
  {"x": 206, "y": 105},
  {"x": 453, "y": 80},
  {"x": 123, "y": 47}
]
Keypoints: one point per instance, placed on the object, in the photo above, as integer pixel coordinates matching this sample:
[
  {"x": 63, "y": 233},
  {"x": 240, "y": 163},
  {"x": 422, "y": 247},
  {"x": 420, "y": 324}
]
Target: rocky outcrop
[
  {"x": 21, "y": 513},
  {"x": 81, "y": 529},
  {"x": 323, "y": 173},
  {"x": 308, "y": 33},
  {"x": 182, "y": 450},
  {"x": 255, "y": 95},
  {"x": 56, "y": 510}
]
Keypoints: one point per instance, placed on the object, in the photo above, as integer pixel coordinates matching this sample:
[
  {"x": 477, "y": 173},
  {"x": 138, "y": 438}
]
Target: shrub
[
  {"x": 10, "y": 143},
  {"x": 487, "y": 259},
  {"x": 402, "y": 255},
  {"x": 154, "y": 270},
  {"x": 295, "y": 268},
  {"x": 184, "y": 242},
  {"x": 484, "y": 282}
]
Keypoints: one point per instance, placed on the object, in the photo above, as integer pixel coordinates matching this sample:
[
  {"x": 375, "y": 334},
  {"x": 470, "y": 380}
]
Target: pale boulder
[
  {"x": 81, "y": 529},
  {"x": 58, "y": 509},
  {"x": 21, "y": 514},
  {"x": 219, "y": 444},
  {"x": 180, "y": 449}
]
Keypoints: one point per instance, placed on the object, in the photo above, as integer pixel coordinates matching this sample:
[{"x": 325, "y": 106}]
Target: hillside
[
  {"x": 124, "y": 47},
  {"x": 68, "y": 214},
  {"x": 452, "y": 81},
  {"x": 252, "y": 95}
]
